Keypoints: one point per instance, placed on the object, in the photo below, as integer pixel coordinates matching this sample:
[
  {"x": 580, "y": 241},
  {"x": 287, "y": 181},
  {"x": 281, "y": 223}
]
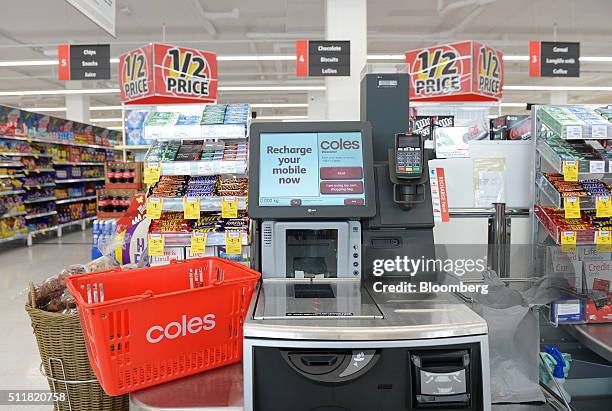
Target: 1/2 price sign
[
  {"x": 160, "y": 73},
  {"x": 465, "y": 71}
]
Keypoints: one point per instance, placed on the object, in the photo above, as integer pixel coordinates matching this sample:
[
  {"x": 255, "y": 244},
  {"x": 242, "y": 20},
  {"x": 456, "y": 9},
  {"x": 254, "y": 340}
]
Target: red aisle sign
[
  {"x": 301, "y": 62},
  {"x": 465, "y": 71},
  {"x": 63, "y": 57},
  {"x": 534, "y": 59},
  {"x": 164, "y": 74}
]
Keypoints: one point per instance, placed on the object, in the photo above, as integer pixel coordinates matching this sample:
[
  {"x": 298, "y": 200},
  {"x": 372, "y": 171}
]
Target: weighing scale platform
[{"x": 356, "y": 313}]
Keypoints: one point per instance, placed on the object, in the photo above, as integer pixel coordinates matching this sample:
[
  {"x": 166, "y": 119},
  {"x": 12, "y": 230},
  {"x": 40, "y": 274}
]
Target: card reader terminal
[{"x": 408, "y": 156}]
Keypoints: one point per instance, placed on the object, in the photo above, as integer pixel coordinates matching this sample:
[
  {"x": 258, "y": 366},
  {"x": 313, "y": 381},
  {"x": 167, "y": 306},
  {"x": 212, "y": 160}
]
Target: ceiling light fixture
[
  {"x": 59, "y": 92},
  {"x": 44, "y": 109},
  {"x": 272, "y": 88},
  {"x": 281, "y": 117},
  {"x": 105, "y": 108},
  {"x": 557, "y": 88},
  {"x": 105, "y": 120},
  {"x": 279, "y": 105}
]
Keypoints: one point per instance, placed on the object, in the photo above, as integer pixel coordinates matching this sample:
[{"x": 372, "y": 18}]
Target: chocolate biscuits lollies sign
[{"x": 164, "y": 74}]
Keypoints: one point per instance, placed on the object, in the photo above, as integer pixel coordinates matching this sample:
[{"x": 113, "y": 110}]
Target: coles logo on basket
[{"x": 176, "y": 329}]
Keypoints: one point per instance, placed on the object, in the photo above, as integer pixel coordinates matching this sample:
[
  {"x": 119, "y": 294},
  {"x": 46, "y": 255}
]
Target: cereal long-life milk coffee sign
[
  {"x": 464, "y": 71},
  {"x": 164, "y": 74}
]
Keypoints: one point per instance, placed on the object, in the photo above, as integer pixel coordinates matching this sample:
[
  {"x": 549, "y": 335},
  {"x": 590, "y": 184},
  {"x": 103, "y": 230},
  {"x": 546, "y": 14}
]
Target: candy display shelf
[
  {"x": 75, "y": 200},
  {"x": 39, "y": 171},
  {"x": 212, "y": 239},
  {"x": 39, "y": 200},
  {"x": 78, "y": 180},
  {"x": 207, "y": 204},
  {"x": 78, "y": 163},
  {"x": 204, "y": 168},
  {"x": 59, "y": 142},
  {"x": 15, "y": 214},
  {"x": 13, "y": 154},
  {"x": 16, "y": 164},
  {"x": 39, "y": 215},
  {"x": 587, "y": 202},
  {"x": 12, "y": 175},
  {"x": 38, "y": 186},
  {"x": 583, "y": 236},
  {"x": 11, "y": 192},
  {"x": 585, "y": 167}
]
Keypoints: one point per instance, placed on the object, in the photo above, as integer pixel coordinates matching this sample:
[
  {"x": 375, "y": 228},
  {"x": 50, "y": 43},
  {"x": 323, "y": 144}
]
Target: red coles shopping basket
[{"x": 151, "y": 325}]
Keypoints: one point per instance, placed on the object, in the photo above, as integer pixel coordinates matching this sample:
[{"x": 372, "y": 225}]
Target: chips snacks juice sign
[
  {"x": 164, "y": 74},
  {"x": 465, "y": 71}
]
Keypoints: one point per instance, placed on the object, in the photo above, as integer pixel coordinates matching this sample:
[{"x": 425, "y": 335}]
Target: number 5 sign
[
  {"x": 465, "y": 71},
  {"x": 164, "y": 74}
]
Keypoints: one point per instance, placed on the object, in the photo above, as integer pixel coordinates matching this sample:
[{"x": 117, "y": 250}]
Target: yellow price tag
[
  {"x": 233, "y": 242},
  {"x": 603, "y": 206},
  {"x": 229, "y": 207},
  {"x": 572, "y": 207},
  {"x": 568, "y": 241},
  {"x": 156, "y": 244},
  {"x": 198, "y": 243},
  {"x": 154, "y": 207},
  {"x": 570, "y": 170},
  {"x": 152, "y": 173},
  {"x": 191, "y": 208},
  {"x": 603, "y": 241}
]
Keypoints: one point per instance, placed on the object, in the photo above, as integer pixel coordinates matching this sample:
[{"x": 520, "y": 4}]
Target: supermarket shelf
[
  {"x": 212, "y": 239},
  {"x": 13, "y": 238},
  {"x": 69, "y": 223},
  {"x": 203, "y": 168},
  {"x": 142, "y": 147},
  {"x": 12, "y": 192},
  {"x": 38, "y": 186},
  {"x": 78, "y": 163},
  {"x": 206, "y": 203},
  {"x": 597, "y": 128},
  {"x": 39, "y": 200},
  {"x": 12, "y": 175},
  {"x": 42, "y": 230},
  {"x": 584, "y": 167},
  {"x": 201, "y": 132},
  {"x": 35, "y": 155},
  {"x": 15, "y": 164},
  {"x": 582, "y": 236},
  {"x": 16, "y": 214},
  {"x": 30, "y": 217},
  {"x": 59, "y": 142},
  {"x": 586, "y": 202},
  {"x": 78, "y": 180},
  {"x": 39, "y": 171},
  {"x": 75, "y": 200}
]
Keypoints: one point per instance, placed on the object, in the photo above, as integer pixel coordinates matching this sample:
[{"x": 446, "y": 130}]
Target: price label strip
[
  {"x": 156, "y": 245},
  {"x": 198, "y": 243},
  {"x": 152, "y": 173},
  {"x": 229, "y": 207},
  {"x": 191, "y": 208},
  {"x": 570, "y": 170},
  {"x": 603, "y": 206},
  {"x": 154, "y": 207},
  {"x": 233, "y": 243},
  {"x": 568, "y": 241},
  {"x": 603, "y": 241},
  {"x": 572, "y": 207}
]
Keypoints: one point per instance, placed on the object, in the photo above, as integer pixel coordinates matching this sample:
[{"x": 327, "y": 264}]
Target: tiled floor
[{"x": 19, "y": 356}]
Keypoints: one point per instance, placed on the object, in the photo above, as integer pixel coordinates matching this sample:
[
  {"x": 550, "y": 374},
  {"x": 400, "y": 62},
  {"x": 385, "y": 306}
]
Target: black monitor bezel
[{"x": 304, "y": 212}]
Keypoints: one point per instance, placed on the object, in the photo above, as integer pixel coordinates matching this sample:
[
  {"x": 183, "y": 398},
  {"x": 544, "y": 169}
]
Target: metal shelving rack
[{"x": 598, "y": 337}]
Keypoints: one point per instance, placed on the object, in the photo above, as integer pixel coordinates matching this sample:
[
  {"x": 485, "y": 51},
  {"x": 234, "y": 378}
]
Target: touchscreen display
[{"x": 311, "y": 169}]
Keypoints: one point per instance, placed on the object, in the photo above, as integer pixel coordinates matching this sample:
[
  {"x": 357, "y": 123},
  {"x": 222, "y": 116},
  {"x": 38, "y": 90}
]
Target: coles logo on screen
[
  {"x": 175, "y": 329},
  {"x": 340, "y": 144}
]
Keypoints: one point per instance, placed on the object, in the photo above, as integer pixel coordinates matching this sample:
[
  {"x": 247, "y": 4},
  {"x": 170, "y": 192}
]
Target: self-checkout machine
[{"x": 317, "y": 335}]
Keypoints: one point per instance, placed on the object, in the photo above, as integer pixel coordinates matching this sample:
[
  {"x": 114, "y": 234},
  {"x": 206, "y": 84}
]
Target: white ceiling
[{"x": 31, "y": 29}]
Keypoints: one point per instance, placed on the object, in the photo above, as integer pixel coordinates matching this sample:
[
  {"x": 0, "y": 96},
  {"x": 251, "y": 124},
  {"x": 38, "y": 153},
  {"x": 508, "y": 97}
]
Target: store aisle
[{"x": 18, "y": 265}]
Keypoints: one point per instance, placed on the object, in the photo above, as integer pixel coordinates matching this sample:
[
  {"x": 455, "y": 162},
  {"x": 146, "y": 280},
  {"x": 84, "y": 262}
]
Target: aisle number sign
[
  {"x": 152, "y": 173},
  {"x": 603, "y": 241},
  {"x": 165, "y": 74},
  {"x": 572, "y": 207},
  {"x": 198, "y": 243},
  {"x": 191, "y": 208},
  {"x": 233, "y": 242},
  {"x": 156, "y": 245},
  {"x": 603, "y": 206},
  {"x": 570, "y": 170},
  {"x": 464, "y": 71},
  {"x": 229, "y": 207},
  {"x": 154, "y": 207}
]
